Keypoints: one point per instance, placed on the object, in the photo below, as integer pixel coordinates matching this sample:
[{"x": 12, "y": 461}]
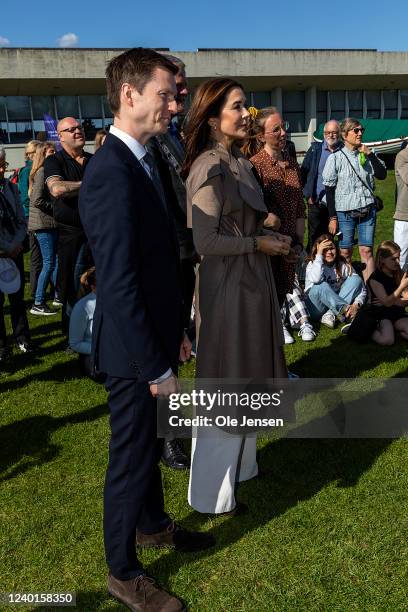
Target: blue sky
[{"x": 184, "y": 25}]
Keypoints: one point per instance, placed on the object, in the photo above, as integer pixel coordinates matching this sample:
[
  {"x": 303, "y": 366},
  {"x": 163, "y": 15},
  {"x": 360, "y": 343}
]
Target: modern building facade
[{"x": 309, "y": 86}]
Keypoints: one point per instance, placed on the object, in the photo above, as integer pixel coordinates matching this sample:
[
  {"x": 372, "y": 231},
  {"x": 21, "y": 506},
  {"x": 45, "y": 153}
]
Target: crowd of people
[{"x": 210, "y": 208}]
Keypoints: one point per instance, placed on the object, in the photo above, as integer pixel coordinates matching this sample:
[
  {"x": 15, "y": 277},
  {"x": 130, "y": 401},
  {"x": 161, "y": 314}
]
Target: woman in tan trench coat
[{"x": 240, "y": 334}]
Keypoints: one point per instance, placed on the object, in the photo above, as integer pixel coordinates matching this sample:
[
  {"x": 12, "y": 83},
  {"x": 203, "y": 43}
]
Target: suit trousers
[
  {"x": 317, "y": 222},
  {"x": 133, "y": 496},
  {"x": 17, "y": 310}
]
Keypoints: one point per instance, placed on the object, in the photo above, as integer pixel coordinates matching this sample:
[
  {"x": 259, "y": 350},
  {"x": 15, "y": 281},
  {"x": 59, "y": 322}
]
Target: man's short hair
[
  {"x": 176, "y": 61},
  {"x": 135, "y": 67}
]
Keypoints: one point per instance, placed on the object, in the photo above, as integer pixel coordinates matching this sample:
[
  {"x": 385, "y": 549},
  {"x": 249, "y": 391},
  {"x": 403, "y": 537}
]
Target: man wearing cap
[{"x": 13, "y": 230}]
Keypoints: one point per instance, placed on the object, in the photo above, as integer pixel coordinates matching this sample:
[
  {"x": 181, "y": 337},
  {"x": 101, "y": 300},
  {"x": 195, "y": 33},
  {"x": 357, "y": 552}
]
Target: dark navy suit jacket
[{"x": 137, "y": 325}]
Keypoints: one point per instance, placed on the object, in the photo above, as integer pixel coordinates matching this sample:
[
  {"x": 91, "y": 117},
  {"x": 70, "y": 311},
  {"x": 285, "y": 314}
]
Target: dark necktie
[{"x": 155, "y": 178}]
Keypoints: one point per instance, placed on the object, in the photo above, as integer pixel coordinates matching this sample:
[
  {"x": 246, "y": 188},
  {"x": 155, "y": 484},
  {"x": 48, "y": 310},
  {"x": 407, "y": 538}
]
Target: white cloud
[
  {"x": 4, "y": 42},
  {"x": 68, "y": 40}
]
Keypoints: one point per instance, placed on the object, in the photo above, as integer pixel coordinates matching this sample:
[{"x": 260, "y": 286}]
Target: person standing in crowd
[
  {"x": 240, "y": 334},
  {"x": 279, "y": 175},
  {"x": 168, "y": 152},
  {"x": 100, "y": 138},
  {"x": 81, "y": 323},
  {"x": 348, "y": 178},
  {"x": 44, "y": 227},
  {"x": 401, "y": 210},
  {"x": 23, "y": 186},
  {"x": 311, "y": 172},
  {"x": 13, "y": 231},
  {"x": 388, "y": 289},
  {"x": 137, "y": 329},
  {"x": 63, "y": 173}
]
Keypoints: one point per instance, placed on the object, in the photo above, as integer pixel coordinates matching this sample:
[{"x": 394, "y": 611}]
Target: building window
[
  {"x": 19, "y": 118},
  {"x": 337, "y": 105},
  {"x": 355, "y": 102},
  {"x": 3, "y": 121},
  {"x": 91, "y": 113},
  {"x": 321, "y": 105},
  {"x": 67, "y": 106},
  {"x": 293, "y": 103},
  {"x": 404, "y": 103},
  {"x": 373, "y": 101},
  {"x": 106, "y": 108},
  {"x": 390, "y": 98},
  {"x": 261, "y": 99}
]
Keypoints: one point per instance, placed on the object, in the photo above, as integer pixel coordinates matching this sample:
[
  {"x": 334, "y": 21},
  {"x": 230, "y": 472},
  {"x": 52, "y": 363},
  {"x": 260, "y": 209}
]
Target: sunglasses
[
  {"x": 358, "y": 130},
  {"x": 72, "y": 129}
]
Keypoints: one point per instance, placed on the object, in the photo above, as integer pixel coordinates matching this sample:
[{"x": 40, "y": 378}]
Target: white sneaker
[
  {"x": 328, "y": 319},
  {"x": 288, "y": 336},
  {"x": 306, "y": 332}
]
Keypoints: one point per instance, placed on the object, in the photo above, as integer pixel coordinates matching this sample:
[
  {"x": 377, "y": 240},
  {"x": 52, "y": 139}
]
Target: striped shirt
[{"x": 350, "y": 192}]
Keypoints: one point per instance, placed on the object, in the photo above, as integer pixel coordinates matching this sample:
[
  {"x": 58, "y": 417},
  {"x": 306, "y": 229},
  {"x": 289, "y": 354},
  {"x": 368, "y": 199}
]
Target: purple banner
[{"x": 51, "y": 129}]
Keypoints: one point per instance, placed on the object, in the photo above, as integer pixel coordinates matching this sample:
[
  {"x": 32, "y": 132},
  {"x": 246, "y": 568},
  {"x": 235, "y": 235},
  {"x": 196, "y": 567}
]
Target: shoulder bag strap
[{"x": 357, "y": 175}]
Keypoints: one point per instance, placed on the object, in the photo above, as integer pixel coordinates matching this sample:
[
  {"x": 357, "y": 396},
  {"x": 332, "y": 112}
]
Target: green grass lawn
[{"x": 327, "y": 528}]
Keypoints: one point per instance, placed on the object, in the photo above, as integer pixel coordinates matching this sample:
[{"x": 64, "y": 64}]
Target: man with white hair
[
  {"x": 313, "y": 188},
  {"x": 13, "y": 230}
]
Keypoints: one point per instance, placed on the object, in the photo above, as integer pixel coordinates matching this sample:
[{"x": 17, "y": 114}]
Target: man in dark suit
[
  {"x": 137, "y": 330},
  {"x": 168, "y": 152}
]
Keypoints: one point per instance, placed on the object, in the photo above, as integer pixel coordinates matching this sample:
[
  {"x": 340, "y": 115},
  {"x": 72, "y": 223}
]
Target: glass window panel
[
  {"x": 106, "y": 108},
  {"x": 404, "y": 103},
  {"x": 373, "y": 99},
  {"x": 262, "y": 99},
  {"x": 3, "y": 115},
  {"x": 338, "y": 102},
  {"x": 42, "y": 105},
  {"x": 321, "y": 118},
  {"x": 18, "y": 108},
  {"x": 20, "y": 131},
  {"x": 67, "y": 106},
  {"x": 296, "y": 121},
  {"x": 322, "y": 101},
  {"x": 293, "y": 101},
  {"x": 390, "y": 98},
  {"x": 90, "y": 106},
  {"x": 355, "y": 99}
]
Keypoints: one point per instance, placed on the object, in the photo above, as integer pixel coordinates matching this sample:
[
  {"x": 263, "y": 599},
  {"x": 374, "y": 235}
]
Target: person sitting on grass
[
  {"x": 388, "y": 291},
  {"x": 333, "y": 288},
  {"x": 80, "y": 324}
]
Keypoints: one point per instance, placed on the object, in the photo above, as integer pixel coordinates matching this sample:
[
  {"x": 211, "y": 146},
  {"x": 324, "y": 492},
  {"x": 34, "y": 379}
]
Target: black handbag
[
  {"x": 364, "y": 323},
  {"x": 378, "y": 203}
]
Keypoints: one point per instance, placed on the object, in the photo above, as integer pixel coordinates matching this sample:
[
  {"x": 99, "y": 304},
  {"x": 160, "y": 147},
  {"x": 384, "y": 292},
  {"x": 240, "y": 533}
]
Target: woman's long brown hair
[
  {"x": 385, "y": 249},
  {"x": 208, "y": 101}
]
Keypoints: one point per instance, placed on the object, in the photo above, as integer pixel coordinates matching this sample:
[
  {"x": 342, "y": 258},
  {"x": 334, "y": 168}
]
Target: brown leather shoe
[
  {"x": 143, "y": 594},
  {"x": 176, "y": 537}
]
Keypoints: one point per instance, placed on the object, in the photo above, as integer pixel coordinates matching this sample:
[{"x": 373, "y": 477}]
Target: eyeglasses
[
  {"x": 72, "y": 129},
  {"x": 277, "y": 129},
  {"x": 358, "y": 130},
  {"x": 332, "y": 133},
  {"x": 4, "y": 165}
]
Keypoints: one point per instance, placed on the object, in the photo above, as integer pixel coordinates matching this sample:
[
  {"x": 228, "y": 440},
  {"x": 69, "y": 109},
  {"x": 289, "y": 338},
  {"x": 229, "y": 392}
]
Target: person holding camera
[{"x": 348, "y": 177}]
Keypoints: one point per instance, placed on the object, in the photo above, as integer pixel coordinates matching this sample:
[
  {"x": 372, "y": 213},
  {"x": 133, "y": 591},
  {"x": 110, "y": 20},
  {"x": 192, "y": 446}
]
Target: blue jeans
[
  {"x": 47, "y": 240},
  {"x": 365, "y": 229},
  {"x": 322, "y": 297}
]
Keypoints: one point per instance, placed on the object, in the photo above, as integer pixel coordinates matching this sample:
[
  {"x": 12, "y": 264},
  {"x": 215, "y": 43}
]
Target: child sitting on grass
[
  {"x": 388, "y": 290},
  {"x": 333, "y": 288}
]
